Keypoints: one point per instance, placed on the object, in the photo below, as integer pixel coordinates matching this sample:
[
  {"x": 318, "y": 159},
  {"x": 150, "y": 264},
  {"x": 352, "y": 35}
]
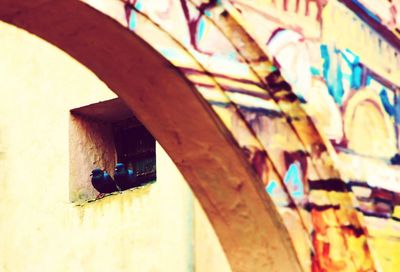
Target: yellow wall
[
  {"x": 149, "y": 229},
  {"x": 208, "y": 254}
]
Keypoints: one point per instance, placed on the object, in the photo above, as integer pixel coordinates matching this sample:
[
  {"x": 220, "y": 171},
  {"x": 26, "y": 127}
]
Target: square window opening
[{"x": 100, "y": 136}]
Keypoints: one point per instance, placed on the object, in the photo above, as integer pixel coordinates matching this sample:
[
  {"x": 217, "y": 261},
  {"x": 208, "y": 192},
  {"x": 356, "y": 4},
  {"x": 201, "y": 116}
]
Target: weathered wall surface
[
  {"x": 208, "y": 254},
  {"x": 310, "y": 92},
  {"x": 314, "y": 109},
  {"x": 150, "y": 229},
  {"x": 91, "y": 145}
]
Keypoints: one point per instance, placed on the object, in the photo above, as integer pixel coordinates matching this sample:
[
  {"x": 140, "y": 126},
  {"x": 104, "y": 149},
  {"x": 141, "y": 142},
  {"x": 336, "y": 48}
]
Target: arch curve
[{"x": 245, "y": 220}]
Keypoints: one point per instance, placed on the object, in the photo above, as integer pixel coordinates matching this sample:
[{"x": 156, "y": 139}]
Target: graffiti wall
[{"x": 309, "y": 89}]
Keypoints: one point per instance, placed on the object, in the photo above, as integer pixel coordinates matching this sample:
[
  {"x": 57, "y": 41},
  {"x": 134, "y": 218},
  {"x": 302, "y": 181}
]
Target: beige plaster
[
  {"x": 148, "y": 229},
  {"x": 244, "y": 218},
  {"x": 91, "y": 145}
]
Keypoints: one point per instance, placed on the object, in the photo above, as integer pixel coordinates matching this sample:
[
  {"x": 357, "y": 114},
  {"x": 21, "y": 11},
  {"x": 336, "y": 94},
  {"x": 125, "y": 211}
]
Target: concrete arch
[{"x": 245, "y": 219}]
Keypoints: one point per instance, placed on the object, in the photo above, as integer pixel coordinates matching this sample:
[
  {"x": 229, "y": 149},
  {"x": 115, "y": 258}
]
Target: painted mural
[{"x": 309, "y": 89}]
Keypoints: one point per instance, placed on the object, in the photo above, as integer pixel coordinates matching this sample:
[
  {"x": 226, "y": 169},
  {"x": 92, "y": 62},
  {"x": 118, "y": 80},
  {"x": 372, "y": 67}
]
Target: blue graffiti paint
[
  {"x": 132, "y": 20},
  {"x": 353, "y": 61},
  {"x": 270, "y": 188},
  {"x": 366, "y": 10},
  {"x": 349, "y": 56},
  {"x": 389, "y": 108},
  {"x": 293, "y": 181},
  {"x": 133, "y": 16},
  {"x": 332, "y": 73},
  {"x": 356, "y": 77},
  {"x": 201, "y": 29},
  {"x": 337, "y": 82},
  {"x": 325, "y": 57},
  {"x": 314, "y": 71},
  {"x": 139, "y": 5}
]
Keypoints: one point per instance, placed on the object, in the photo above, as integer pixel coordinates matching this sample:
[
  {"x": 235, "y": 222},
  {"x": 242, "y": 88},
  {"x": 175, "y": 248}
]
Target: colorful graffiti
[{"x": 310, "y": 92}]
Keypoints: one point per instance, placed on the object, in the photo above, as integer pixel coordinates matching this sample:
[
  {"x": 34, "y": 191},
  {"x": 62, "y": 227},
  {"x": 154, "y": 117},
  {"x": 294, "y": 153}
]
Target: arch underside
[{"x": 200, "y": 80}]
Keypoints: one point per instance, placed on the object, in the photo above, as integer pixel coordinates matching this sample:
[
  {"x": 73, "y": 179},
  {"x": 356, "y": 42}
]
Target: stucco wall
[{"x": 150, "y": 229}]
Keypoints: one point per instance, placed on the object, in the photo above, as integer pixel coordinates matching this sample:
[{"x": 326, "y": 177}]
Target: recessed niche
[{"x": 101, "y": 135}]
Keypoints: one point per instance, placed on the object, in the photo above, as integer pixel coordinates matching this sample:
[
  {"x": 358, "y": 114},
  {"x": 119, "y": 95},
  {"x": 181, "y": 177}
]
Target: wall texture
[
  {"x": 308, "y": 90},
  {"x": 149, "y": 229}
]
